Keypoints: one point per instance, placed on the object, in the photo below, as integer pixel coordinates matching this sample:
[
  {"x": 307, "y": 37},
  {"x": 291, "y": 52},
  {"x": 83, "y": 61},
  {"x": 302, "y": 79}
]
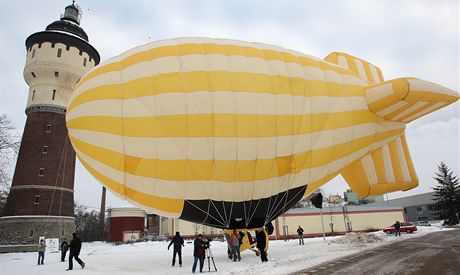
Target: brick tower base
[{"x": 21, "y": 233}]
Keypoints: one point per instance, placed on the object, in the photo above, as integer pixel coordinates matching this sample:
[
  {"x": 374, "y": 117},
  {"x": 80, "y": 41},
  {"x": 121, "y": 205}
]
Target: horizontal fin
[
  {"x": 361, "y": 67},
  {"x": 406, "y": 99},
  {"x": 384, "y": 170}
]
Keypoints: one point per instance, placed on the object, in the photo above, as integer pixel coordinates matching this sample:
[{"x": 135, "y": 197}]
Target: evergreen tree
[{"x": 447, "y": 196}]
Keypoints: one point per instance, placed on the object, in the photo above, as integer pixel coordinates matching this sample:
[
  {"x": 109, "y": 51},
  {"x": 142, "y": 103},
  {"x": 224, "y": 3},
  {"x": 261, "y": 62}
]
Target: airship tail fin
[
  {"x": 384, "y": 170},
  {"x": 361, "y": 67},
  {"x": 406, "y": 99}
]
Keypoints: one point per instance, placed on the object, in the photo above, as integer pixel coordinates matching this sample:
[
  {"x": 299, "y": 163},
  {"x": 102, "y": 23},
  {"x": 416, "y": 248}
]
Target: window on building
[
  {"x": 54, "y": 94},
  {"x": 31, "y": 233},
  {"x": 37, "y": 199},
  {"x": 33, "y": 95},
  {"x": 33, "y": 74},
  {"x": 63, "y": 232},
  {"x": 84, "y": 62},
  {"x": 56, "y": 74},
  {"x": 45, "y": 150},
  {"x": 59, "y": 52},
  {"x": 48, "y": 128},
  {"x": 33, "y": 53},
  {"x": 41, "y": 172}
]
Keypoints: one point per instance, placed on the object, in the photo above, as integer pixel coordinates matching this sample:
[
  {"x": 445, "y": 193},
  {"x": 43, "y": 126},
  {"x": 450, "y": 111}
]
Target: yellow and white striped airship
[{"x": 232, "y": 134}]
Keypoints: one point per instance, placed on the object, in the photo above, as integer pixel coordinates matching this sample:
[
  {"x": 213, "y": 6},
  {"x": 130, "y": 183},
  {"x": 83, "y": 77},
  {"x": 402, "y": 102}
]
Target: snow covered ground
[{"x": 154, "y": 258}]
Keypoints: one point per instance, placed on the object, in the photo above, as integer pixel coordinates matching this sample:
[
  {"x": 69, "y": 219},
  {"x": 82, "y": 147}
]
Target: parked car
[
  {"x": 405, "y": 227},
  {"x": 424, "y": 223}
]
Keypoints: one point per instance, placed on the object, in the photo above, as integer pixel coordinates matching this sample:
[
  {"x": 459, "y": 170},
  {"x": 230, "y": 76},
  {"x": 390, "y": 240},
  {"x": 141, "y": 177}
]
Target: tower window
[
  {"x": 54, "y": 94},
  {"x": 33, "y": 74},
  {"x": 56, "y": 74},
  {"x": 45, "y": 150},
  {"x": 42, "y": 172},
  {"x": 33, "y": 95},
  {"x": 63, "y": 232},
  {"x": 33, "y": 53},
  {"x": 31, "y": 232},
  {"x": 37, "y": 199},
  {"x": 48, "y": 128},
  {"x": 59, "y": 52},
  {"x": 84, "y": 62}
]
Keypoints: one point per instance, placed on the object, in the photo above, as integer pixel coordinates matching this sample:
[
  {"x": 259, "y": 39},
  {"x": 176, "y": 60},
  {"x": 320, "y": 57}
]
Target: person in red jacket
[{"x": 235, "y": 245}]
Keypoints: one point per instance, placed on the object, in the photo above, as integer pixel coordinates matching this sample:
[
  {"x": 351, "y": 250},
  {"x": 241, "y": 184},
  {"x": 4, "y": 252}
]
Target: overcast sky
[{"x": 403, "y": 38}]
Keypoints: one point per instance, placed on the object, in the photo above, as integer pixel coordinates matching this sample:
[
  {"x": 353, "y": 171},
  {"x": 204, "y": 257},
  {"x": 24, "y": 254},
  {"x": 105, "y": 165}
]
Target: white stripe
[
  {"x": 221, "y": 102},
  {"x": 220, "y": 148},
  {"x": 359, "y": 66},
  {"x": 402, "y": 160},
  {"x": 375, "y": 74},
  {"x": 426, "y": 111},
  {"x": 378, "y": 92},
  {"x": 369, "y": 169},
  {"x": 225, "y": 191},
  {"x": 216, "y": 62},
  {"x": 390, "y": 177},
  {"x": 425, "y": 86},
  {"x": 343, "y": 62},
  {"x": 392, "y": 108},
  {"x": 410, "y": 110}
]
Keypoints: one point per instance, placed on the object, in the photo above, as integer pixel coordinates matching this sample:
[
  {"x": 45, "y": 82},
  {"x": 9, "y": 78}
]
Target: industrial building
[{"x": 416, "y": 208}]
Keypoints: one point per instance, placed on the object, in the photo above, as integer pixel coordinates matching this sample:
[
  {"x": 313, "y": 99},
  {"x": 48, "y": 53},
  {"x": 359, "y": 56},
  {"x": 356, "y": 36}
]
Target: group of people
[
  {"x": 74, "y": 246},
  {"x": 200, "y": 244}
]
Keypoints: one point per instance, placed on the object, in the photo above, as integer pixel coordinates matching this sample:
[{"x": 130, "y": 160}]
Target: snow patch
[{"x": 358, "y": 238}]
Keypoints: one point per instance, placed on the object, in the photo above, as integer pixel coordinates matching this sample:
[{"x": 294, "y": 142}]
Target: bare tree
[{"x": 9, "y": 147}]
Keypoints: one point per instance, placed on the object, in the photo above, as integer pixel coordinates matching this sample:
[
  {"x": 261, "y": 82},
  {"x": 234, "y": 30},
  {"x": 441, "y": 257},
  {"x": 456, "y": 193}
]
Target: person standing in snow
[
  {"x": 75, "y": 247},
  {"x": 235, "y": 245},
  {"x": 178, "y": 242},
  {"x": 198, "y": 252},
  {"x": 300, "y": 232},
  {"x": 397, "y": 227},
  {"x": 262, "y": 244},
  {"x": 64, "y": 248},
  {"x": 41, "y": 251}
]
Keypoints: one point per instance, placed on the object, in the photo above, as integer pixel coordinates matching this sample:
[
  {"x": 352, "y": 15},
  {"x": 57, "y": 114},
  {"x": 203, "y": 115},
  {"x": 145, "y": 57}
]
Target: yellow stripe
[
  {"x": 410, "y": 165},
  {"x": 367, "y": 69},
  {"x": 395, "y": 162},
  {"x": 379, "y": 166},
  {"x": 356, "y": 179},
  {"x": 163, "y": 204},
  {"x": 207, "y": 48},
  {"x": 383, "y": 103},
  {"x": 226, "y": 170},
  {"x": 216, "y": 81},
  {"x": 221, "y": 125}
]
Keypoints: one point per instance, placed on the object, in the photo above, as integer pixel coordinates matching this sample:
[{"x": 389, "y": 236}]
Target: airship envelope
[{"x": 232, "y": 134}]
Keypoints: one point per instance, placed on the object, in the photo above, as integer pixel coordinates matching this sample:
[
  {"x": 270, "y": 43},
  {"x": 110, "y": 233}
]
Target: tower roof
[
  {"x": 70, "y": 22},
  {"x": 67, "y": 30}
]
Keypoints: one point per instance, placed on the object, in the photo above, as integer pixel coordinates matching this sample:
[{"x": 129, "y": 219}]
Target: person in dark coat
[
  {"x": 262, "y": 244},
  {"x": 75, "y": 247},
  {"x": 397, "y": 227},
  {"x": 198, "y": 252},
  {"x": 64, "y": 248},
  {"x": 300, "y": 232},
  {"x": 178, "y": 242}
]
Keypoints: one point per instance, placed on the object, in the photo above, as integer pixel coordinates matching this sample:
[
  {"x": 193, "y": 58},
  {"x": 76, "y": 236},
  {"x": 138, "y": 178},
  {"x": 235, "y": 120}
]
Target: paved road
[{"x": 436, "y": 253}]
